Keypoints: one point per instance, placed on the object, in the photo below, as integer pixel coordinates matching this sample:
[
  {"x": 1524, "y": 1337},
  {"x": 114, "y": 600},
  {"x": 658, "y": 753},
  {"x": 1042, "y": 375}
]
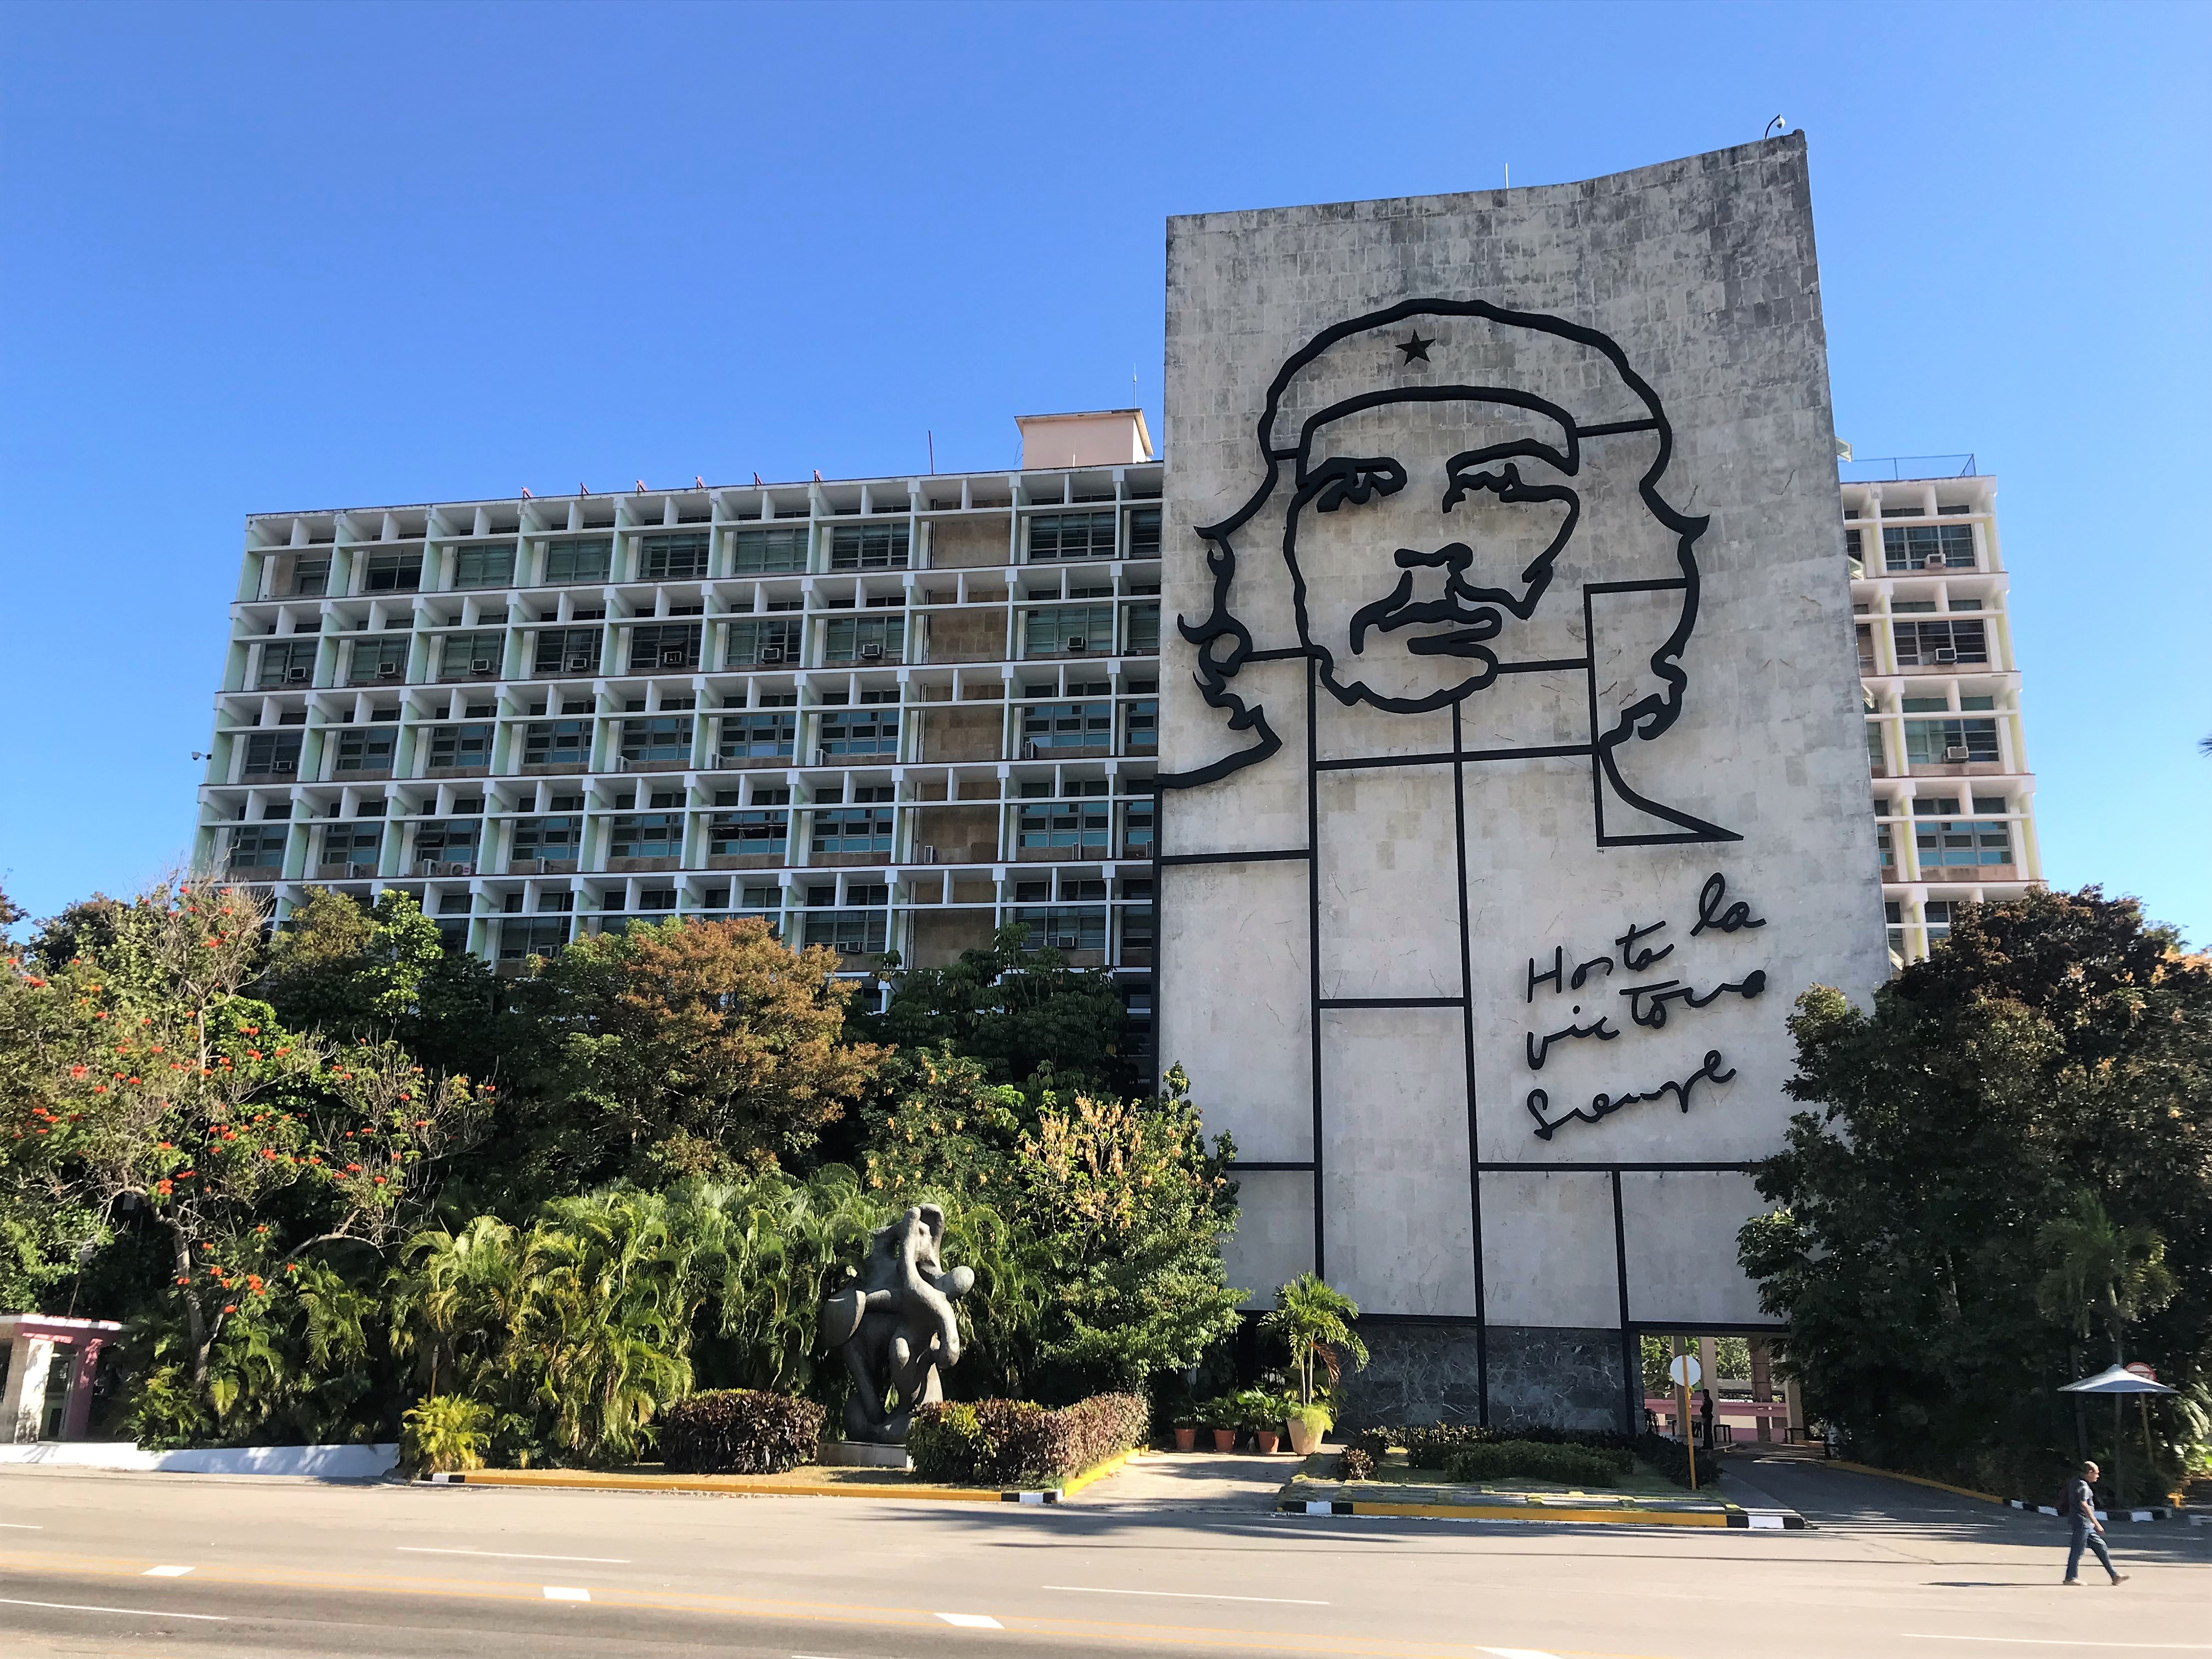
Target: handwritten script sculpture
[{"x": 896, "y": 1325}]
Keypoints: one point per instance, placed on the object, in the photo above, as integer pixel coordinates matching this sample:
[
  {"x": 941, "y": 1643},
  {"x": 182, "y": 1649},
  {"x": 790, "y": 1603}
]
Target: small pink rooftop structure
[
  {"x": 45, "y": 1387},
  {"x": 1101, "y": 437}
]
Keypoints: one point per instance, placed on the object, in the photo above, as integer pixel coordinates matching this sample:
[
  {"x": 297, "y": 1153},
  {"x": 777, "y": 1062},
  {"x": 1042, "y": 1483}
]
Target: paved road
[{"x": 1180, "y": 1559}]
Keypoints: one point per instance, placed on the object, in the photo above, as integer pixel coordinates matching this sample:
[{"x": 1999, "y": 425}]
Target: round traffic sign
[
  {"x": 1685, "y": 1370},
  {"x": 2143, "y": 1371}
]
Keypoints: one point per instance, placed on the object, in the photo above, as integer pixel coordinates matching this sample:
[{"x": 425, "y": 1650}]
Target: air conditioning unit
[
  {"x": 821, "y": 757},
  {"x": 295, "y": 676},
  {"x": 387, "y": 670},
  {"x": 871, "y": 652},
  {"x": 284, "y": 766},
  {"x": 578, "y": 665},
  {"x": 1955, "y": 753},
  {"x": 481, "y": 664},
  {"x": 1029, "y": 751},
  {"x": 1945, "y": 654},
  {"x": 927, "y": 854},
  {"x": 1933, "y": 561},
  {"x": 671, "y": 657},
  {"x": 769, "y": 653},
  {"x": 1076, "y": 642}
]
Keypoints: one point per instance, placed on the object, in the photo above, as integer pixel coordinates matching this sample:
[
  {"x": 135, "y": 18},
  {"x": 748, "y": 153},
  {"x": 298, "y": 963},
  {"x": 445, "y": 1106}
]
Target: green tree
[
  {"x": 2054, "y": 1046},
  {"x": 349, "y": 970},
  {"x": 1314, "y": 1319},
  {"x": 2102, "y": 1275},
  {"x": 1021, "y": 1013}
]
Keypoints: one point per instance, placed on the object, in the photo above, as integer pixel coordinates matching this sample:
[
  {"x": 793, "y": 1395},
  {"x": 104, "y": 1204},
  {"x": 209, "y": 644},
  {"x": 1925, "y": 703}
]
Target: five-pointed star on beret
[{"x": 1415, "y": 348}]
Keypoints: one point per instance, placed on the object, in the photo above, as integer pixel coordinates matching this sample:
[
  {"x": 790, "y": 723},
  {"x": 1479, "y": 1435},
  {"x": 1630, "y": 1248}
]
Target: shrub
[
  {"x": 1427, "y": 1447},
  {"x": 1535, "y": 1460},
  {"x": 444, "y": 1434},
  {"x": 997, "y": 1442},
  {"x": 1355, "y": 1463},
  {"x": 1671, "y": 1458},
  {"x": 740, "y": 1432},
  {"x": 1375, "y": 1443}
]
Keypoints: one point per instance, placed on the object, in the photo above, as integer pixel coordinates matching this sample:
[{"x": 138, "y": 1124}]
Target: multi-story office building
[
  {"x": 1954, "y": 797},
  {"x": 887, "y": 714}
]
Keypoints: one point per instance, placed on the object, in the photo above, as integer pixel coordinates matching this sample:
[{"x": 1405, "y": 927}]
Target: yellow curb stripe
[
  {"x": 1893, "y": 1475},
  {"x": 1095, "y": 1471},
  {"x": 596, "y": 1480},
  {"x": 1532, "y": 1512}
]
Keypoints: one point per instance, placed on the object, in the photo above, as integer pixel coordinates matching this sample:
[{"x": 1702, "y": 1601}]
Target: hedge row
[
  {"x": 1535, "y": 1460},
  {"x": 1429, "y": 1447},
  {"x": 999, "y": 1442},
  {"x": 740, "y": 1432}
]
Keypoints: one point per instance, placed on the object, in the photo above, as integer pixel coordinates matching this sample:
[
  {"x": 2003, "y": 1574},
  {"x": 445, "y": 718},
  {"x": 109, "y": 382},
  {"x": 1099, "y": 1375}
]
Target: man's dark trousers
[{"x": 2084, "y": 1534}]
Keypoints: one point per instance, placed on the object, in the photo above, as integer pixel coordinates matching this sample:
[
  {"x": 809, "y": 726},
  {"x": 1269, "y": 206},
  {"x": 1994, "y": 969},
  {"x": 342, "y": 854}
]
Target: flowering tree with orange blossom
[{"x": 142, "y": 1083}]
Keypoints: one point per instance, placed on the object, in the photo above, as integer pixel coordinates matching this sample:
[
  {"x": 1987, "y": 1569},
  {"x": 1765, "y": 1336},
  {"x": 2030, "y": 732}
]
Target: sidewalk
[{"x": 1193, "y": 1480}]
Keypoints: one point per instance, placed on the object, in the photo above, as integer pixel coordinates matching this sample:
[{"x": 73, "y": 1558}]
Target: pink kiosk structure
[{"x": 46, "y": 1365}]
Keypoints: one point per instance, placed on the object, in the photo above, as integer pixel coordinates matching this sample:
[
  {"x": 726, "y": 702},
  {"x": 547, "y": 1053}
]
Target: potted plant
[
  {"x": 1221, "y": 1414},
  {"x": 1260, "y": 1413},
  {"x": 1315, "y": 1320},
  {"x": 1186, "y": 1429}
]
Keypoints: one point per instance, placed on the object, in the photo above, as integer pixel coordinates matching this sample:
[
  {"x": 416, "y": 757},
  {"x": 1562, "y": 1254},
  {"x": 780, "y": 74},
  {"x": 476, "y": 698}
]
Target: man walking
[{"x": 2080, "y": 1510}]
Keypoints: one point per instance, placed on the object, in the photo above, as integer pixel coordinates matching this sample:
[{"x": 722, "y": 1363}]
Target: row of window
[
  {"x": 1940, "y": 742},
  {"x": 688, "y": 556},
  {"x": 849, "y": 932},
  {"x": 1929, "y": 644},
  {"x": 1920, "y": 547},
  {"x": 661, "y": 647}
]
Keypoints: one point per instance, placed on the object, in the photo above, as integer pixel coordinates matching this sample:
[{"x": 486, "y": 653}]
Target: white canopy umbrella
[{"x": 2118, "y": 1380}]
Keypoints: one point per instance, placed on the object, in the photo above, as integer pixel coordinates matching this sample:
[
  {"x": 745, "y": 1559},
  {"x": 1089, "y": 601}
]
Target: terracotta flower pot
[
  {"x": 1302, "y": 1438},
  {"x": 1267, "y": 1439},
  {"x": 1186, "y": 1439},
  {"x": 1224, "y": 1440}
]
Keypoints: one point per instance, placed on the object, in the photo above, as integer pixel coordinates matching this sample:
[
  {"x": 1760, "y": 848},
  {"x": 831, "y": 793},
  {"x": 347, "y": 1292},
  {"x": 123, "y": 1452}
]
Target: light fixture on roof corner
[{"x": 1776, "y": 122}]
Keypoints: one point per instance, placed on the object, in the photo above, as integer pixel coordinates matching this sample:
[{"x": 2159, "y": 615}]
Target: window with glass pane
[
  {"x": 676, "y": 558},
  {"x": 767, "y": 552},
  {"x": 448, "y": 841},
  {"x": 765, "y": 736},
  {"x": 868, "y": 547},
  {"x": 1137, "y": 927},
  {"x": 772, "y": 639},
  {"x": 853, "y": 829},
  {"x": 1063, "y": 725},
  {"x": 850, "y": 933},
  {"x": 378, "y": 658},
  {"x": 670, "y": 645},
  {"x": 547, "y": 838},
  {"x": 861, "y": 733},
  {"x": 272, "y": 754},
  {"x": 311, "y": 578},
  {"x": 257, "y": 847},
  {"x": 471, "y": 656},
  {"x": 864, "y": 639},
  {"x": 1144, "y": 630},
  {"x": 1068, "y": 630},
  {"x": 557, "y": 743},
  {"x": 1062, "y": 926},
  {"x": 285, "y": 662},
  {"x": 1877, "y": 758},
  {"x": 566, "y": 651},
  {"x": 1080, "y": 828},
  {"x": 665, "y": 738},
  {"x": 392, "y": 572},
  {"x": 538, "y": 936},
  {"x": 1935, "y": 742},
  {"x": 1910, "y": 546},
  {"x": 484, "y": 566},
  {"x": 1929, "y": 644},
  {"x": 646, "y": 835},
  {"x": 1938, "y": 915},
  {"x": 755, "y": 832},
  {"x": 461, "y": 745},
  {"x": 1072, "y": 536},
  {"x": 366, "y": 749},
  {"x": 1137, "y": 820},
  {"x": 352, "y": 843},
  {"x": 1143, "y": 725},
  {"x": 582, "y": 560},
  {"x": 1960, "y": 840},
  {"x": 1145, "y": 533}
]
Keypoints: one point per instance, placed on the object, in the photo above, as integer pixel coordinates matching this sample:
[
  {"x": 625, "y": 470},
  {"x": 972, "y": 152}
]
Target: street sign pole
[{"x": 1685, "y": 1370}]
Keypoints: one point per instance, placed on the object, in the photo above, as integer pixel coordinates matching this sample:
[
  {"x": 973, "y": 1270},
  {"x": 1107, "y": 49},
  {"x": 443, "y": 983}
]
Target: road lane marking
[
  {"x": 1518, "y": 1653},
  {"x": 2048, "y": 1642},
  {"x": 566, "y": 1593},
  {"x": 20, "y": 1526},
  {"x": 165, "y": 1572},
  {"x": 134, "y": 1612},
  {"x": 971, "y": 1621},
  {"x": 511, "y": 1555},
  {"x": 1185, "y": 1595}
]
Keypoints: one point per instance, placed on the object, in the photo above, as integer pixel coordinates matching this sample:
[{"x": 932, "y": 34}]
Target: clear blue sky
[{"x": 265, "y": 256}]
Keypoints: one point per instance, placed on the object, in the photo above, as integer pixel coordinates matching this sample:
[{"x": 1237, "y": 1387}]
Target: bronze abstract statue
[{"x": 896, "y": 1325}]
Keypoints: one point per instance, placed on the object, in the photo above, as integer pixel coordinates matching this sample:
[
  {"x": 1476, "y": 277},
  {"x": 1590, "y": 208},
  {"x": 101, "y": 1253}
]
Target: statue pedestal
[{"x": 863, "y": 1454}]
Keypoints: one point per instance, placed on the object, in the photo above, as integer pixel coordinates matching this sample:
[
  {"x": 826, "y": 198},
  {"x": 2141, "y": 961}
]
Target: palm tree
[
  {"x": 2101, "y": 1274},
  {"x": 1315, "y": 1319}
]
